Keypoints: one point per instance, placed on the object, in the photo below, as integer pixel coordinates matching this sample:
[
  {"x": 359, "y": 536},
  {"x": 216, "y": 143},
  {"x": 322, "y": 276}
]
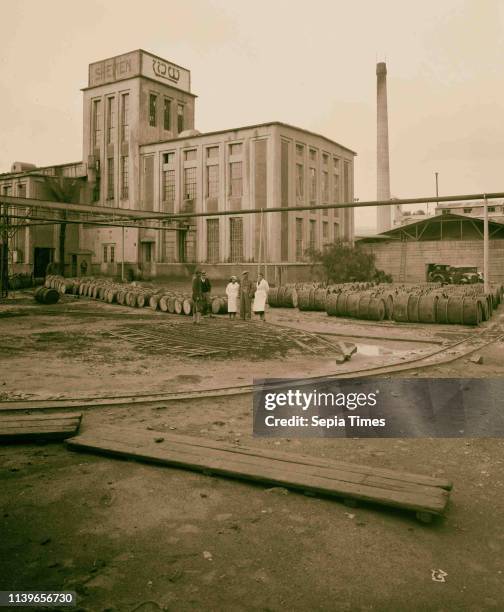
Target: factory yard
[{"x": 129, "y": 536}]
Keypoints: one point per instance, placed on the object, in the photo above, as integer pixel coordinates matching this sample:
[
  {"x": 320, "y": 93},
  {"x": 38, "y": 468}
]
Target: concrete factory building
[{"x": 142, "y": 152}]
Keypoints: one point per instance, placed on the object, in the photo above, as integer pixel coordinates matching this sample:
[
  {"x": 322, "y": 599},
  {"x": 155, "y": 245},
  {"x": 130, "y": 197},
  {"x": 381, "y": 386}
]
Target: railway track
[{"x": 441, "y": 356}]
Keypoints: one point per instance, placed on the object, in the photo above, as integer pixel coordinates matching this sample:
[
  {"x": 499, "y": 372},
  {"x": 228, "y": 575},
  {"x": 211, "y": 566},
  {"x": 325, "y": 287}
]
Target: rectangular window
[
  {"x": 336, "y": 164},
  {"x": 346, "y": 181},
  {"x": 299, "y": 150},
  {"x": 190, "y": 155},
  {"x": 125, "y": 117},
  {"x": 236, "y": 234},
  {"x": 325, "y": 187},
  {"x": 212, "y": 240},
  {"x": 313, "y": 185},
  {"x": 212, "y": 152},
  {"x": 110, "y": 178},
  {"x": 235, "y": 148},
  {"x": 325, "y": 231},
  {"x": 325, "y": 159},
  {"x": 235, "y": 179},
  {"x": 152, "y": 110},
  {"x": 313, "y": 235},
  {"x": 111, "y": 120},
  {"x": 167, "y": 114},
  {"x": 467, "y": 210},
  {"x": 169, "y": 158},
  {"x": 105, "y": 251},
  {"x": 300, "y": 182},
  {"x": 189, "y": 183},
  {"x": 169, "y": 190},
  {"x": 7, "y": 190},
  {"x": 180, "y": 118},
  {"x": 336, "y": 232},
  {"x": 313, "y": 155},
  {"x": 336, "y": 192},
  {"x": 124, "y": 177},
  {"x": 97, "y": 123},
  {"x": 491, "y": 209},
  {"x": 299, "y": 239},
  {"x": 112, "y": 253},
  {"x": 212, "y": 189},
  {"x": 21, "y": 190}
]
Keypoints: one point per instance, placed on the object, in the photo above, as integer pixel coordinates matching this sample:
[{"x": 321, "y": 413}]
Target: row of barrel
[
  {"x": 135, "y": 296},
  {"x": 426, "y": 303}
]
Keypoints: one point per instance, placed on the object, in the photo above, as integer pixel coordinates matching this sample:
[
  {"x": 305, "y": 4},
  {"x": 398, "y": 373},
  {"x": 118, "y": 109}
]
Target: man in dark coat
[
  {"x": 197, "y": 296},
  {"x": 206, "y": 288},
  {"x": 246, "y": 293}
]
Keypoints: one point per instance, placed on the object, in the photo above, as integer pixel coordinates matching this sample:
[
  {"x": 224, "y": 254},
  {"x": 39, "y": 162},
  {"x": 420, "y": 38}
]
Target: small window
[
  {"x": 446, "y": 211},
  {"x": 112, "y": 253},
  {"x": 313, "y": 155},
  {"x": 491, "y": 209},
  {"x": 467, "y": 210},
  {"x": 235, "y": 148},
  {"x": 325, "y": 159},
  {"x": 299, "y": 150},
  {"x": 336, "y": 163},
  {"x": 105, "y": 251},
  {"x": 190, "y": 155},
  {"x": 180, "y": 118},
  {"x": 167, "y": 114},
  {"x": 212, "y": 152},
  {"x": 169, "y": 158},
  {"x": 152, "y": 109}
]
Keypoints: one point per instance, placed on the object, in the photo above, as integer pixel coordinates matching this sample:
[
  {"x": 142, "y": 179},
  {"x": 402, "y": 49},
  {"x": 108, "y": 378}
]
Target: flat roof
[
  {"x": 251, "y": 127},
  {"x": 37, "y": 170}
]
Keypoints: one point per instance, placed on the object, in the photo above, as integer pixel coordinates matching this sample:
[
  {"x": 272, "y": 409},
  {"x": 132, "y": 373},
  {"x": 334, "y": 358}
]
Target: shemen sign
[{"x": 165, "y": 71}]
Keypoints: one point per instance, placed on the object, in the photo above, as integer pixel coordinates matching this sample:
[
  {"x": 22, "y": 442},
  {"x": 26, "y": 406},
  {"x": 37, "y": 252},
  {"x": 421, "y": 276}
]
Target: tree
[{"x": 345, "y": 263}]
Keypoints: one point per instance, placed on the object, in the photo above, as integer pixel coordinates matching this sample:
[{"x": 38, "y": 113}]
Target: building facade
[{"x": 141, "y": 152}]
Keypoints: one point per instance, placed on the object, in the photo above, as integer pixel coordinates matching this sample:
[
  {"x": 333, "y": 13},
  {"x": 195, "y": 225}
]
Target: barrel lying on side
[{"x": 46, "y": 295}]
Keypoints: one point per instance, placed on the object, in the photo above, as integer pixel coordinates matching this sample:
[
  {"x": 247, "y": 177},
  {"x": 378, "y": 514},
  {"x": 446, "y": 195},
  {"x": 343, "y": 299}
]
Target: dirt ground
[{"x": 128, "y": 536}]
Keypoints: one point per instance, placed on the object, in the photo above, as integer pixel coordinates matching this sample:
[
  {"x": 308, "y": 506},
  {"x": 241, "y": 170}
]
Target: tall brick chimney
[{"x": 384, "y": 213}]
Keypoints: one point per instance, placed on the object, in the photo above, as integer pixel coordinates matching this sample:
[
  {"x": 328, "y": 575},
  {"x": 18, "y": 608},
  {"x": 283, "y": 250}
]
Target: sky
[{"x": 310, "y": 64}]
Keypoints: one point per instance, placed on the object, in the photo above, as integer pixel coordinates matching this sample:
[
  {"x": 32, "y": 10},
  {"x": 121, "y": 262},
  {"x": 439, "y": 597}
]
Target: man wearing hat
[
  {"x": 246, "y": 293},
  {"x": 197, "y": 297},
  {"x": 206, "y": 288}
]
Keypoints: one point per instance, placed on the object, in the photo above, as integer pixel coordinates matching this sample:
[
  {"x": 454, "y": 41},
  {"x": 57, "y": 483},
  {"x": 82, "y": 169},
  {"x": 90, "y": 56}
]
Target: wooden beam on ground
[
  {"x": 425, "y": 495},
  {"x": 18, "y": 428}
]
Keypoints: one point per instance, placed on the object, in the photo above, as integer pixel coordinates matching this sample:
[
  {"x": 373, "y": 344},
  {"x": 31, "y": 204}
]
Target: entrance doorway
[
  {"x": 182, "y": 246},
  {"x": 42, "y": 257}
]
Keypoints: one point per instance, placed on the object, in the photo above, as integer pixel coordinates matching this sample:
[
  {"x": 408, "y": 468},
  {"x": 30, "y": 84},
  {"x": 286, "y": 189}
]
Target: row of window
[
  {"x": 110, "y": 120},
  {"x": 124, "y": 178},
  {"x": 167, "y": 113}
]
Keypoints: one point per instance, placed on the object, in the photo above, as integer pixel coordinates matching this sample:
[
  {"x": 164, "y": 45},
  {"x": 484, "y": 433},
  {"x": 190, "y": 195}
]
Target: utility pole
[
  {"x": 486, "y": 278},
  {"x": 4, "y": 251}
]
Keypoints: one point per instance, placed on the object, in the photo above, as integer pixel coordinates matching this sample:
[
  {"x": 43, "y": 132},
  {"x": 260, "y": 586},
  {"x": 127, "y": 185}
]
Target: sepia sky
[{"x": 311, "y": 64}]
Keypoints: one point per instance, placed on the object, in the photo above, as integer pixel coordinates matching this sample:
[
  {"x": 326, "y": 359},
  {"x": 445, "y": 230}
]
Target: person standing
[
  {"x": 197, "y": 297},
  {"x": 206, "y": 288},
  {"x": 246, "y": 292},
  {"x": 261, "y": 296},
  {"x": 232, "y": 292}
]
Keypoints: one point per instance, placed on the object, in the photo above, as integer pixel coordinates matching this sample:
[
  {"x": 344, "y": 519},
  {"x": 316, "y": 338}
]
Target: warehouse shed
[{"x": 406, "y": 252}]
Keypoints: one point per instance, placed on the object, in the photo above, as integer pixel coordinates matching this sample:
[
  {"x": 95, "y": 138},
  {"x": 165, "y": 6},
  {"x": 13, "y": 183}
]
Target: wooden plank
[
  {"x": 44, "y": 426},
  {"x": 231, "y": 462}
]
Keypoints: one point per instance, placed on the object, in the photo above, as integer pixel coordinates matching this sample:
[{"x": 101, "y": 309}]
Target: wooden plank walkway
[
  {"x": 425, "y": 495},
  {"x": 18, "y": 428}
]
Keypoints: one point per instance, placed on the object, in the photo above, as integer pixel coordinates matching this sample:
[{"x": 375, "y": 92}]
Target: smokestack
[{"x": 384, "y": 213}]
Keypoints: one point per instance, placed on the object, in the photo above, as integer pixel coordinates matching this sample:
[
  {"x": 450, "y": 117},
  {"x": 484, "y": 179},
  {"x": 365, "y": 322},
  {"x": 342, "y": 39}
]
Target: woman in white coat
[
  {"x": 261, "y": 296},
  {"x": 232, "y": 291}
]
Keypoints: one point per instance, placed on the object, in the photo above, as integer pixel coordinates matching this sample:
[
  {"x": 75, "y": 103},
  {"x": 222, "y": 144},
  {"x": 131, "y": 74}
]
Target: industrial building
[{"x": 142, "y": 152}]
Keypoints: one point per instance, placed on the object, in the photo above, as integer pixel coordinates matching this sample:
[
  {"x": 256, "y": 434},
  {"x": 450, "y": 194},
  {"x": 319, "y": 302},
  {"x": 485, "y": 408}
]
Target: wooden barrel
[
  {"x": 455, "y": 309},
  {"x": 352, "y": 304},
  {"x": 187, "y": 306},
  {"x": 442, "y": 309},
  {"x": 319, "y": 299},
  {"x": 288, "y": 296},
  {"x": 389, "y": 305},
  {"x": 121, "y": 297},
  {"x": 331, "y": 303},
  {"x": 305, "y": 299},
  {"x": 111, "y": 295},
  {"x": 219, "y": 305},
  {"x": 400, "y": 312},
  {"x": 163, "y": 303},
  {"x": 46, "y": 295},
  {"x": 371, "y": 308},
  {"x": 94, "y": 292},
  {"x": 179, "y": 301},
  {"x": 485, "y": 315},
  {"x": 170, "y": 304},
  {"x": 471, "y": 311},
  {"x": 273, "y": 297},
  {"x": 130, "y": 299},
  {"x": 427, "y": 308},
  {"x": 143, "y": 299},
  {"x": 413, "y": 314},
  {"x": 154, "y": 301},
  {"x": 341, "y": 304}
]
